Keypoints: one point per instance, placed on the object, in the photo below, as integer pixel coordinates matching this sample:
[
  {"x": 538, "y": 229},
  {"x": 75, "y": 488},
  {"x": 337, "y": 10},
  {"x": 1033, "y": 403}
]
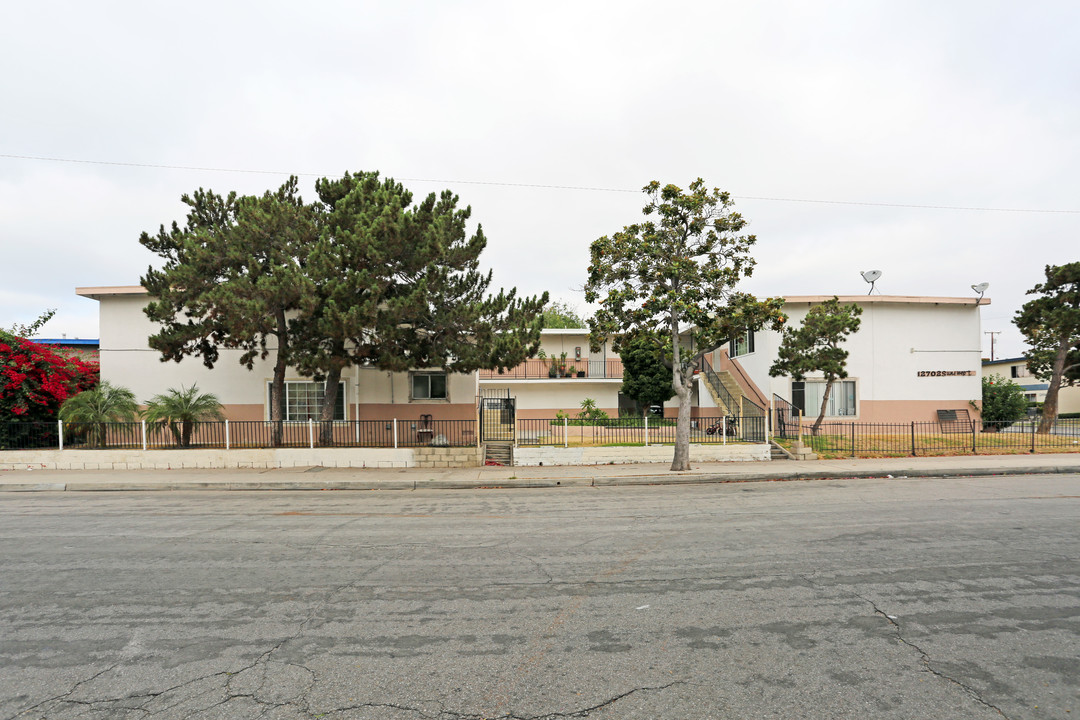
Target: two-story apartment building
[{"x": 912, "y": 357}]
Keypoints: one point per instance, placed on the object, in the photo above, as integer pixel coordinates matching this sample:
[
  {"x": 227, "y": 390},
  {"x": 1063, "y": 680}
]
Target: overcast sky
[{"x": 870, "y": 106}]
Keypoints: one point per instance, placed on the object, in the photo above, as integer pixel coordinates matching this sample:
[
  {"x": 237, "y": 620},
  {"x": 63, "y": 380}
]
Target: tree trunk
[
  {"x": 326, "y": 413},
  {"x": 824, "y": 405},
  {"x": 1050, "y": 404},
  {"x": 277, "y": 393},
  {"x": 681, "y": 461},
  {"x": 185, "y": 433}
]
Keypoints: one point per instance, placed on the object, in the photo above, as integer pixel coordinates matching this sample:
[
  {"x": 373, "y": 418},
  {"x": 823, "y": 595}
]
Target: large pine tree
[{"x": 234, "y": 276}]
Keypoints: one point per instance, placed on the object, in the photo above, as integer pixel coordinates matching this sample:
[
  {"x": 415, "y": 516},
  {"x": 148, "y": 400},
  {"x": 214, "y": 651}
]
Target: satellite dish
[
  {"x": 980, "y": 289},
  {"x": 871, "y": 277}
]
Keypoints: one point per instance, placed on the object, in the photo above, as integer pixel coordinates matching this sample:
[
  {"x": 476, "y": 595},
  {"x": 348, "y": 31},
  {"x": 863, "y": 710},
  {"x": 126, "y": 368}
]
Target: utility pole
[{"x": 992, "y": 333}]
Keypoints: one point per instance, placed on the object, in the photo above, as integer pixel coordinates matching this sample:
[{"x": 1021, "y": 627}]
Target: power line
[{"x": 542, "y": 186}]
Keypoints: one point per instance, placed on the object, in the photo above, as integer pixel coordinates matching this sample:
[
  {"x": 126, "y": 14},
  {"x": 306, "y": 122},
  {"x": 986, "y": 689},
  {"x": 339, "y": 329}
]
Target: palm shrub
[
  {"x": 182, "y": 410},
  {"x": 94, "y": 408}
]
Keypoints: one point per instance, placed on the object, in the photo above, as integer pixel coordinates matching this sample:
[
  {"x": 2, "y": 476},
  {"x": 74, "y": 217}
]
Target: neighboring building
[
  {"x": 1016, "y": 369},
  {"x": 911, "y": 357},
  {"x": 83, "y": 349}
]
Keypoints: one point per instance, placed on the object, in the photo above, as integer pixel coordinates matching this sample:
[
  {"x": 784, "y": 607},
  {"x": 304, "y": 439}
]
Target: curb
[{"x": 613, "y": 481}]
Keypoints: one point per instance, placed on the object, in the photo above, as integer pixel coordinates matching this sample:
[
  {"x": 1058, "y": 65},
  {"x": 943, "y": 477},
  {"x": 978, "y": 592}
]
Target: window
[
  {"x": 807, "y": 397},
  {"x": 1020, "y": 371},
  {"x": 429, "y": 386},
  {"x": 742, "y": 345},
  {"x": 304, "y": 400}
]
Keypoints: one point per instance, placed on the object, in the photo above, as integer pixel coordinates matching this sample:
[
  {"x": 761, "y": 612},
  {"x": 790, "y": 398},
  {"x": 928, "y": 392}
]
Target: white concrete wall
[
  {"x": 128, "y": 360},
  {"x": 564, "y": 394},
  {"x": 533, "y": 456},
  {"x": 206, "y": 459},
  {"x": 894, "y": 342},
  {"x": 555, "y": 342}
]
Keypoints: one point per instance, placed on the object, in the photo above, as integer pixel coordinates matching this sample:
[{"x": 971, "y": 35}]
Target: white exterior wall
[
  {"x": 557, "y": 341},
  {"x": 545, "y": 397},
  {"x": 128, "y": 360},
  {"x": 896, "y": 340}
]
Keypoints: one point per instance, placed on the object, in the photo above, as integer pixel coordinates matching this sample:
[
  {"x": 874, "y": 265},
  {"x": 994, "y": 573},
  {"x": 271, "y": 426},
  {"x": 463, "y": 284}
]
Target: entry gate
[{"x": 496, "y": 417}]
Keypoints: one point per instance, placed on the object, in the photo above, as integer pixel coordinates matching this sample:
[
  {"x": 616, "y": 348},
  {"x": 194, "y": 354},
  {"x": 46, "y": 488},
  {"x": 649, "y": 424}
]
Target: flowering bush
[{"x": 34, "y": 381}]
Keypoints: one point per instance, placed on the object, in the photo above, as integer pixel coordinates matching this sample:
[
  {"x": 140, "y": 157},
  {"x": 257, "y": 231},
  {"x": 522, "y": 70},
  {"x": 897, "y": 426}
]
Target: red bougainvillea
[{"x": 34, "y": 381}]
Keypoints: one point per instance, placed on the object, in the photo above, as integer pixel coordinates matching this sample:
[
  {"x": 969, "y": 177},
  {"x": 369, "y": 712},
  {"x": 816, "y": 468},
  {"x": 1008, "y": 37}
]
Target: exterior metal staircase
[{"x": 725, "y": 392}]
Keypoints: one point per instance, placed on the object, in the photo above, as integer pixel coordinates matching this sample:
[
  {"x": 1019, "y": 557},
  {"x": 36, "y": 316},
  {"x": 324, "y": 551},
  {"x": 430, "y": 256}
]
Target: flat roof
[
  {"x": 107, "y": 290},
  {"x": 896, "y": 299},
  {"x": 65, "y": 341},
  {"x": 97, "y": 292}
]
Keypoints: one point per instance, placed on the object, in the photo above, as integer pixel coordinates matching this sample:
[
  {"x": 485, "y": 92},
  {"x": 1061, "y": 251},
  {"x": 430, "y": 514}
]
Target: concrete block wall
[{"x": 447, "y": 457}]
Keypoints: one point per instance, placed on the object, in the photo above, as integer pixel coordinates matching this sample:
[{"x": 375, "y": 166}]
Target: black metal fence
[
  {"x": 853, "y": 439},
  {"x": 238, "y": 434},
  {"x": 637, "y": 431}
]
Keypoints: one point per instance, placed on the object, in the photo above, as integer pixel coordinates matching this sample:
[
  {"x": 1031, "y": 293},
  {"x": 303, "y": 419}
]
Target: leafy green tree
[
  {"x": 29, "y": 331},
  {"x": 646, "y": 376},
  {"x": 399, "y": 288},
  {"x": 674, "y": 275},
  {"x": 815, "y": 347},
  {"x": 107, "y": 403},
  {"x": 182, "y": 410},
  {"x": 1051, "y": 325},
  {"x": 562, "y": 315},
  {"x": 234, "y": 277},
  {"x": 1003, "y": 402}
]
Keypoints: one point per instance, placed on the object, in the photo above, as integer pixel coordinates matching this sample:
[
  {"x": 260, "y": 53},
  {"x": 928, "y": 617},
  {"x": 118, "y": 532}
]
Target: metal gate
[{"x": 496, "y": 417}]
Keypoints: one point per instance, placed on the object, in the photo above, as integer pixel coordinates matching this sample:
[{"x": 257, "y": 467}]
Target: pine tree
[{"x": 815, "y": 347}]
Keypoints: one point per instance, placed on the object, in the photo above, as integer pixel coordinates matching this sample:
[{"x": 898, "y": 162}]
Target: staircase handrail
[{"x": 721, "y": 392}]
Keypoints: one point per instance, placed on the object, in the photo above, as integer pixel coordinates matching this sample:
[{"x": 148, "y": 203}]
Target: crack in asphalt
[
  {"x": 541, "y": 568},
  {"x": 62, "y": 697},
  {"x": 445, "y": 714},
  {"x": 928, "y": 662},
  {"x": 298, "y": 700}
]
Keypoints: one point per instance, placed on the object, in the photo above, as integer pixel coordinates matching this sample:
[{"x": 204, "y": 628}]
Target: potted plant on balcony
[
  {"x": 563, "y": 369},
  {"x": 553, "y": 369}
]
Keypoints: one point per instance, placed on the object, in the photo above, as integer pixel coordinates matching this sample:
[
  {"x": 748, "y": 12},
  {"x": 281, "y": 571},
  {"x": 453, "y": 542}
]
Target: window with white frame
[
  {"x": 304, "y": 400},
  {"x": 741, "y": 345},
  {"x": 428, "y": 386},
  {"x": 807, "y": 397}
]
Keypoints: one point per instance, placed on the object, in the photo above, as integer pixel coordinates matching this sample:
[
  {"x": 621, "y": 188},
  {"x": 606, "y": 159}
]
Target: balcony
[{"x": 541, "y": 370}]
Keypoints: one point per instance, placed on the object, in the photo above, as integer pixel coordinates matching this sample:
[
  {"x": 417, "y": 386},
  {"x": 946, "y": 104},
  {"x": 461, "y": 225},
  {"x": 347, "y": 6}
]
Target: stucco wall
[
  {"x": 544, "y": 398},
  {"x": 127, "y": 360},
  {"x": 894, "y": 343}
]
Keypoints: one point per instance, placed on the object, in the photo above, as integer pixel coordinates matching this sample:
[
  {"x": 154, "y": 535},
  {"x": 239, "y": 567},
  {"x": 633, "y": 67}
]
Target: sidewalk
[{"x": 318, "y": 478}]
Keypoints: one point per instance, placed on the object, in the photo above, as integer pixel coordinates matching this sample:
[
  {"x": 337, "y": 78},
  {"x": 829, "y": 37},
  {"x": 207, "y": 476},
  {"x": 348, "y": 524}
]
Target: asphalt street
[{"x": 883, "y": 598}]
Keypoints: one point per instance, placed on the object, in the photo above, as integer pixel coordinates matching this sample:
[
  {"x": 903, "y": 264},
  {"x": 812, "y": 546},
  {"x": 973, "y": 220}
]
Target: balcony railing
[{"x": 541, "y": 369}]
